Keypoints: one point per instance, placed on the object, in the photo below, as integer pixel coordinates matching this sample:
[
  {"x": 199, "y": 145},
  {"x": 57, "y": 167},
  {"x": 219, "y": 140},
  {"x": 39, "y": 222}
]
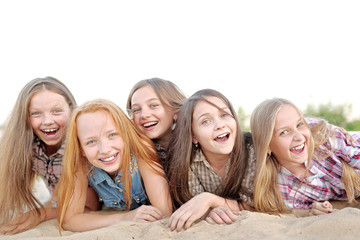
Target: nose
[
  {"x": 298, "y": 136},
  {"x": 145, "y": 113},
  {"x": 47, "y": 119},
  {"x": 219, "y": 124},
  {"x": 104, "y": 147}
]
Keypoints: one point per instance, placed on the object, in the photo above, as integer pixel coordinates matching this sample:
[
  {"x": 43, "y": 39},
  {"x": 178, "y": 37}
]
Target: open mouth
[
  {"x": 222, "y": 138},
  {"x": 149, "y": 124},
  {"x": 298, "y": 149},
  {"x": 109, "y": 159},
  {"x": 50, "y": 132}
]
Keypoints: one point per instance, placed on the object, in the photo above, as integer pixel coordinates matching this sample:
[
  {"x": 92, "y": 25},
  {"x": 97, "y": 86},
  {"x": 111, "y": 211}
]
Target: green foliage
[
  {"x": 243, "y": 119},
  {"x": 334, "y": 114}
]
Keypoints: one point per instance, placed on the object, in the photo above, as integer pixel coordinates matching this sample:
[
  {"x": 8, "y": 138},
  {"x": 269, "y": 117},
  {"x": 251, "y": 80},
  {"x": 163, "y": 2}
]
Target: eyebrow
[
  {"x": 300, "y": 119},
  {"x": 147, "y": 101},
  {"x": 221, "y": 109}
]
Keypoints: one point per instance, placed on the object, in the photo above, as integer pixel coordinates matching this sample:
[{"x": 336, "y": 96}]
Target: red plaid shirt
[
  {"x": 326, "y": 182},
  {"x": 48, "y": 167}
]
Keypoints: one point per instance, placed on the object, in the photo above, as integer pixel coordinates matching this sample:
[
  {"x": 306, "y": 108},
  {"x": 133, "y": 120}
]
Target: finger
[
  {"x": 318, "y": 212},
  {"x": 216, "y": 218},
  {"x": 178, "y": 219},
  {"x": 192, "y": 219},
  {"x": 237, "y": 213},
  {"x": 149, "y": 218},
  {"x": 210, "y": 220},
  {"x": 327, "y": 205}
]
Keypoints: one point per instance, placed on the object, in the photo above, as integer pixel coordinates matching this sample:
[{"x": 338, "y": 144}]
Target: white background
[{"x": 306, "y": 51}]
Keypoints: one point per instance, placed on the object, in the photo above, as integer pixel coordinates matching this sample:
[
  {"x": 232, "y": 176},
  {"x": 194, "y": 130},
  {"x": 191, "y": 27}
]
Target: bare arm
[
  {"x": 157, "y": 188},
  {"x": 199, "y": 207}
]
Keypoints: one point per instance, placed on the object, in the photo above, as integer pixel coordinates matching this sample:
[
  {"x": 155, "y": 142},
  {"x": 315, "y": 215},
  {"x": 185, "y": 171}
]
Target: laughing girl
[
  {"x": 105, "y": 149},
  {"x": 302, "y": 163},
  {"x": 212, "y": 163}
]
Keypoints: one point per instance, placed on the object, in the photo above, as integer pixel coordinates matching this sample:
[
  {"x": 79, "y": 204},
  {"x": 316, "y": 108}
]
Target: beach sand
[{"x": 341, "y": 224}]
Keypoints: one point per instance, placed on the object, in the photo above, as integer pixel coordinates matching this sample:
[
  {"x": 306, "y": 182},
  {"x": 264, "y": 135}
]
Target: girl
[
  {"x": 301, "y": 161},
  {"x": 212, "y": 164},
  {"x": 104, "y": 149},
  {"x": 32, "y": 143},
  {"x": 153, "y": 105}
]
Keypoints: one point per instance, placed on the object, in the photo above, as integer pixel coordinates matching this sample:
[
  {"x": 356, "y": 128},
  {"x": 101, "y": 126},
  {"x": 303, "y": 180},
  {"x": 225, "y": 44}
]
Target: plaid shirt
[
  {"x": 326, "y": 182},
  {"x": 48, "y": 167},
  {"x": 203, "y": 178}
]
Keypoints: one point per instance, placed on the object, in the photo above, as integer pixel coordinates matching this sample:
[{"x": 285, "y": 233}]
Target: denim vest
[{"x": 111, "y": 192}]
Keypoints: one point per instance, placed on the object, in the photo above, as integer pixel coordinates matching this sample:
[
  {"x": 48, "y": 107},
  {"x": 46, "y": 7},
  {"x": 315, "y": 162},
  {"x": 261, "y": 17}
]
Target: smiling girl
[
  {"x": 153, "y": 105},
  {"x": 302, "y": 162},
  {"x": 105, "y": 149},
  {"x": 32, "y": 143},
  {"x": 212, "y": 163}
]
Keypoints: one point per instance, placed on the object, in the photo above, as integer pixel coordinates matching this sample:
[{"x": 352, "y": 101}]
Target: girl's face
[
  {"x": 49, "y": 115},
  {"x": 214, "y": 128},
  {"x": 100, "y": 141},
  {"x": 150, "y": 115},
  {"x": 290, "y": 139}
]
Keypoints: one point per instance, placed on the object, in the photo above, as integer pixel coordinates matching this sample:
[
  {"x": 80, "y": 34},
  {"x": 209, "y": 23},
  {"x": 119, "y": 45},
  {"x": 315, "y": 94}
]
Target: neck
[{"x": 218, "y": 163}]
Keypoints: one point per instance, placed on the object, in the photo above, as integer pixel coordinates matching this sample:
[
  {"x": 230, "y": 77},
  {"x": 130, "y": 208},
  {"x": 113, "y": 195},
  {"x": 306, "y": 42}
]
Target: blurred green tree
[{"x": 334, "y": 114}]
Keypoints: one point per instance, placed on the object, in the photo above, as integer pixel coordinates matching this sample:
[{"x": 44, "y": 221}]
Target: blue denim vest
[{"x": 111, "y": 192}]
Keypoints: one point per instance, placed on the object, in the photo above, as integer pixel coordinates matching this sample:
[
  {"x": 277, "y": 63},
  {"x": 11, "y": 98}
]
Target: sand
[{"x": 341, "y": 224}]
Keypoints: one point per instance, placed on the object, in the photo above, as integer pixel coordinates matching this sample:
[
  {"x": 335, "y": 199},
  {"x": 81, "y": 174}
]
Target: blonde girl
[
  {"x": 32, "y": 143},
  {"x": 302, "y": 163},
  {"x": 105, "y": 149}
]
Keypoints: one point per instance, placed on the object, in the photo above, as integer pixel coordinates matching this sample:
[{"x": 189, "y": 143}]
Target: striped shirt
[
  {"x": 48, "y": 167},
  {"x": 325, "y": 183}
]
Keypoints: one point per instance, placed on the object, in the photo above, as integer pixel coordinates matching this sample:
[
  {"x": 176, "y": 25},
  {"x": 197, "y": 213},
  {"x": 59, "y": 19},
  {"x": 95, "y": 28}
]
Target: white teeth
[
  {"x": 50, "y": 130},
  {"x": 149, "y": 124},
  {"x": 108, "y": 159},
  {"x": 299, "y": 147},
  {"x": 222, "y": 135}
]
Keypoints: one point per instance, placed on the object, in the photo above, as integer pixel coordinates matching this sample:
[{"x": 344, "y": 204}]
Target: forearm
[
  {"x": 90, "y": 221},
  {"x": 217, "y": 201}
]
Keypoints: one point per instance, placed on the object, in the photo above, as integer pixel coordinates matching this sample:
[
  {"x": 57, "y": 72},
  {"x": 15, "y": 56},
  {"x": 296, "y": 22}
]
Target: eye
[
  {"x": 91, "y": 142},
  {"x": 300, "y": 124},
  {"x": 111, "y": 135},
  {"x": 225, "y": 114},
  {"x": 205, "y": 122},
  {"x": 35, "y": 114},
  {"x": 58, "y": 110},
  {"x": 284, "y": 132},
  {"x": 135, "y": 110},
  {"x": 154, "y": 105}
]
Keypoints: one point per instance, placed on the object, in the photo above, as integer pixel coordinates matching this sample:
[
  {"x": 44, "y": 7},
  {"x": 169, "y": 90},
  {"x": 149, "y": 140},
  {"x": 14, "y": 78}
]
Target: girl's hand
[
  {"x": 144, "y": 213},
  {"x": 221, "y": 215},
  {"x": 319, "y": 208},
  {"x": 193, "y": 210}
]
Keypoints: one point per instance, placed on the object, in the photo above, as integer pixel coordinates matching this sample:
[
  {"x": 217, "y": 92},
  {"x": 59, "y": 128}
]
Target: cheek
[{"x": 34, "y": 123}]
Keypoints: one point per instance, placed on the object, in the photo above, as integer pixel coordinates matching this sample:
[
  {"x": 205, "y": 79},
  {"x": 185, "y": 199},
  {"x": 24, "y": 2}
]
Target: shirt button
[
  {"x": 118, "y": 181},
  {"x": 115, "y": 203},
  {"x": 100, "y": 199},
  {"x": 138, "y": 199},
  {"x": 120, "y": 190}
]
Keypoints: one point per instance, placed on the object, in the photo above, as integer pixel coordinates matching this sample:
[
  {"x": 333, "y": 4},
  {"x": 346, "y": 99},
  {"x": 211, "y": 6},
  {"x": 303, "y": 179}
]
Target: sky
[{"x": 305, "y": 51}]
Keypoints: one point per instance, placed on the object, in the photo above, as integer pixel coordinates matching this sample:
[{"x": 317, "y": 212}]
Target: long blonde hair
[
  {"x": 16, "y": 154},
  {"x": 77, "y": 166},
  {"x": 267, "y": 197}
]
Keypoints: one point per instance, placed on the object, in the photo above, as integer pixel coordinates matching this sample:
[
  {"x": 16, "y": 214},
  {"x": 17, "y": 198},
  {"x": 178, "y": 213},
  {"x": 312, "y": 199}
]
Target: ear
[
  {"x": 175, "y": 117},
  {"x": 194, "y": 140}
]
